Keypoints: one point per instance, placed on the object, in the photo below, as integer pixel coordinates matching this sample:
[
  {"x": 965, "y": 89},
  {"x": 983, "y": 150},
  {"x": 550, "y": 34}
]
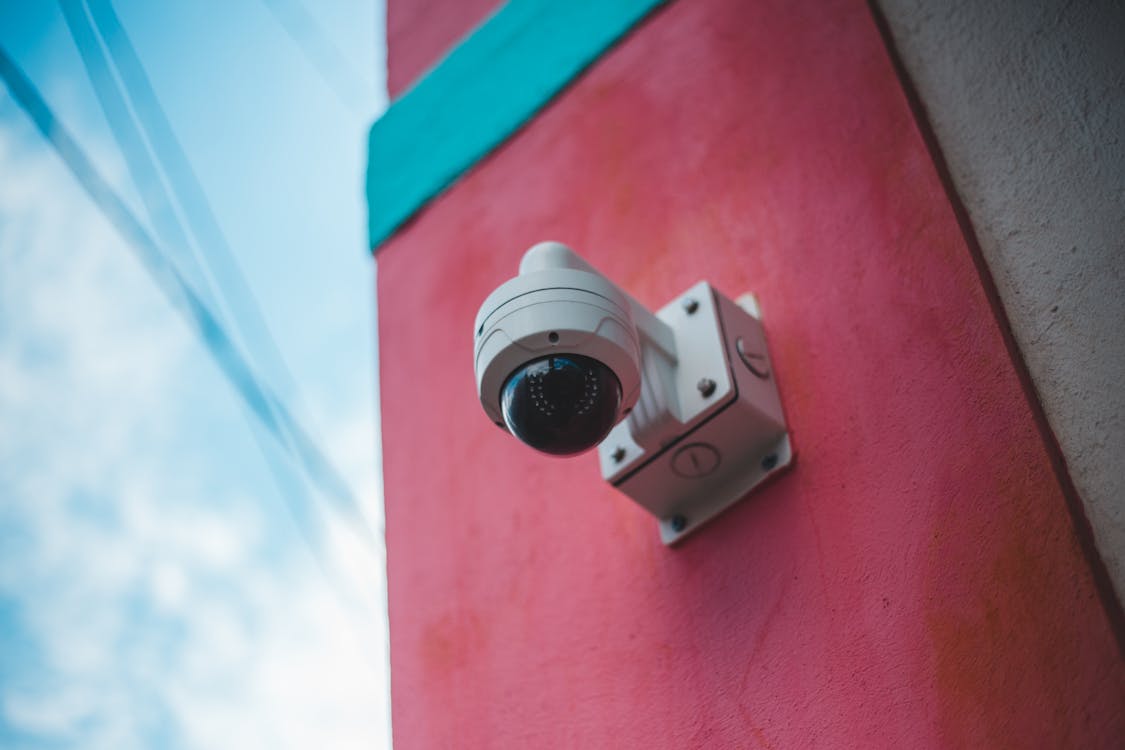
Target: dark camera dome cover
[{"x": 562, "y": 404}]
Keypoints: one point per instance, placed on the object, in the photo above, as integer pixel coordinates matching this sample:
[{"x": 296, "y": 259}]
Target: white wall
[{"x": 1027, "y": 102}]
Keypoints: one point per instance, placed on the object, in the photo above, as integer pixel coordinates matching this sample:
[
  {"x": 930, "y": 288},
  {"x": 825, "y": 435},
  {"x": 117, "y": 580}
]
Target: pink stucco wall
[
  {"x": 419, "y": 32},
  {"x": 913, "y": 581}
]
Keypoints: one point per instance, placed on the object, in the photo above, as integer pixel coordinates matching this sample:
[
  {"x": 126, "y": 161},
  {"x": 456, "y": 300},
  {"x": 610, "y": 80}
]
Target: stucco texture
[
  {"x": 420, "y": 32},
  {"x": 1027, "y": 100},
  {"x": 913, "y": 581}
]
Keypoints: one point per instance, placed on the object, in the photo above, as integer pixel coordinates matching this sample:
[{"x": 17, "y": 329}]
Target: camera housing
[
  {"x": 556, "y": 306},
  {"x": 682, "y": 404}
]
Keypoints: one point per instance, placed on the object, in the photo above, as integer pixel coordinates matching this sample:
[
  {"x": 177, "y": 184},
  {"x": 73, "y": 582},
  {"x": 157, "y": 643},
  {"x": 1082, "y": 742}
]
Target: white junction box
[{"x": 723, "y": 431}]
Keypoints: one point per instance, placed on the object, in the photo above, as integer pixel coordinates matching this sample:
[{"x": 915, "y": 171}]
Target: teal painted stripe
[{"x": 482, "y": 92}]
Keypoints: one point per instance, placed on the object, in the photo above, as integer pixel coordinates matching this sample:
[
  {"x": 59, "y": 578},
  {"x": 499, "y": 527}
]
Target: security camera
[
  {"x": 681, "y": 404},
  {"x": 557, "y": 353}
]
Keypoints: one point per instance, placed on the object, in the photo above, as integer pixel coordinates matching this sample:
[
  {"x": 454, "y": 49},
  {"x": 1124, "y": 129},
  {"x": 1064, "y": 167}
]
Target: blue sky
[{"x": 168, "y": 576}]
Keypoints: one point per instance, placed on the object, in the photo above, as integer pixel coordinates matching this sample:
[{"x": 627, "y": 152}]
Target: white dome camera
[
  {"x": 557, "y": 353},
  {"x": 565, "y": 361}
]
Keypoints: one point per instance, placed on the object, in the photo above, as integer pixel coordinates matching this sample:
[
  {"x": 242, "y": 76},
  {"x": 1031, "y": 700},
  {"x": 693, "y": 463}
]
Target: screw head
[
  {"x": 679, "y": 523},
  {"x": 619, "y": 454},
  {"x": 769, "y": 461},
  {"x": 690, "y": 305},
  {"x": 706, "y": 387}
]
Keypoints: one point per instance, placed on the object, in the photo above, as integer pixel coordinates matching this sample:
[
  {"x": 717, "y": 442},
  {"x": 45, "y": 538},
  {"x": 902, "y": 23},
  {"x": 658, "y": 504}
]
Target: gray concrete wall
[{"x": 1027, "y": 103}]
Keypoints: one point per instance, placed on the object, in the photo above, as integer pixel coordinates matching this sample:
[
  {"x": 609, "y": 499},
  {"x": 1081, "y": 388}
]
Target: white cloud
[{"x": 152, "y": 596}]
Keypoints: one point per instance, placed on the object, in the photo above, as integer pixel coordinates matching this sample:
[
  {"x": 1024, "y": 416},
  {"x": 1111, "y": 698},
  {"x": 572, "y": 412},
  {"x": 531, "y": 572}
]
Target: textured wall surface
[
  {"x": 420, "y": 32},
  {"x": 1027, "y": 100},
  {"x": 913, "y": 581},
  {"x": 461, "y": 110}
]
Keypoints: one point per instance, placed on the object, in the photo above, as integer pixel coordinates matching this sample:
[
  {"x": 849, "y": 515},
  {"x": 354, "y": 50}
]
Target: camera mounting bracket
[{"x": 708, "y": 427}]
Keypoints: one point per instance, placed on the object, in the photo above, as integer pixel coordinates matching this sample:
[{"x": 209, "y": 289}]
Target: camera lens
[{"x": 562, "y": 404}]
